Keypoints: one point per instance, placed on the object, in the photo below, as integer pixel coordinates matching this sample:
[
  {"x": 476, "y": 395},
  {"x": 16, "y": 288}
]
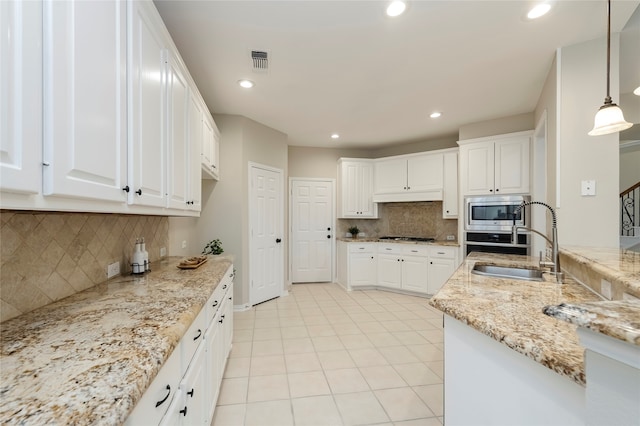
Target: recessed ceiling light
[
  {"x": 396, "y": 8},
  {"x": 435, "y": 114},
  {"x": 539, "y": 10},
  {"x": 247, "y": 84},
  {"x": 335, "y": 136},
  {"x": 637, "y": 91}
]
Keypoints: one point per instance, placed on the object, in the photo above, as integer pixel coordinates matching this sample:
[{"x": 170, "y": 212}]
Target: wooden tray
[{"x": 197, "y": 265}]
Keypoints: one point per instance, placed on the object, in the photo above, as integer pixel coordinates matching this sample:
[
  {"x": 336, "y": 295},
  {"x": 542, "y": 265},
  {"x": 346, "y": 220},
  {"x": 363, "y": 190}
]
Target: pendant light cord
[{"x": 607, "y": 100}]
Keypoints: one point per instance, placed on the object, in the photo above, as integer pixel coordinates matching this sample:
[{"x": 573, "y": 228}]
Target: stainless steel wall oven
[{"x": 488, "y": 221}]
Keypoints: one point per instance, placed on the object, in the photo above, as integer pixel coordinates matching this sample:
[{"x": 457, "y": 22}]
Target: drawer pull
[
  {"x": 183, "y": 411},
  {"x": 190, "y": 393},
  {"x": 441, "y": 252},
  {"x": 414, "y": 251},
  {"x": 387, "y": 248},
  {"x": 215, "y": 303},
  {"x": 198, "y": 336},
  {"x": 224, "y": 287},
  {"x": 159, "y": 403}
]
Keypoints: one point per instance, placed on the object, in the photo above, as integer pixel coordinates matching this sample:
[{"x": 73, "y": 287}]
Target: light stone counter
[
  {"x": 378, "y": 240},
  {"x": 87, "y": 359},
  {"x": 511, "y": 312}
]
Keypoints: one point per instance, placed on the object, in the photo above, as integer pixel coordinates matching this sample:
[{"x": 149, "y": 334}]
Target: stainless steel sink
[{"x": 508, "y": 272}]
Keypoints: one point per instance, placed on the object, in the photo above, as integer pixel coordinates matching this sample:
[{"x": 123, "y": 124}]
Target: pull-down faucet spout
[{"x": 555, "y": 256}]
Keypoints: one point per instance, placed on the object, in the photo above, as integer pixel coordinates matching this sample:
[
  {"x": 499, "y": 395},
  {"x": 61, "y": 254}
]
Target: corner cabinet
[
  {"x": 496, "y": 165},
  {"x": 355, "y": 189},
  {"x": 186, "y": 389},
  {"x": 450, "y": 190}
]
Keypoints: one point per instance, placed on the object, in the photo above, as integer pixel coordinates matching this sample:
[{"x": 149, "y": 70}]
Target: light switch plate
[
  {"x": 113, "y": 269},
  {"x": 588, "y": 188}
]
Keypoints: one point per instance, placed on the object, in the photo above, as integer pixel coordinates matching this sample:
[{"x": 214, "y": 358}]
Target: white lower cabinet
[
  {"x": 186, "y": 389},
  {"x": 357, "y": 264},
  {"x": 442, "y": 264},
  {"x": 403, "y": 266}
]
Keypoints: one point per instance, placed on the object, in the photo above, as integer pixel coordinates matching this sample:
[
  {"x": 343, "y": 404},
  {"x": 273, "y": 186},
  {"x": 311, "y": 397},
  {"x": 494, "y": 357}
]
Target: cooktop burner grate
[{"x": 423, "y": 239}]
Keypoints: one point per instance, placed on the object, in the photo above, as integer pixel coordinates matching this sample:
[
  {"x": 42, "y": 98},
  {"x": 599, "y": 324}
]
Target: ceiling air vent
[{"x": 260, "y": 60}]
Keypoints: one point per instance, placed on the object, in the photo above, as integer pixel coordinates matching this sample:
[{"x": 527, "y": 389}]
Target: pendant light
[{"x": 609, "y": 118}]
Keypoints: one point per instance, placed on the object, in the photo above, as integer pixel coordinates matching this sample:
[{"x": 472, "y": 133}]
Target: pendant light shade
[{"x": 609, "y": 118}]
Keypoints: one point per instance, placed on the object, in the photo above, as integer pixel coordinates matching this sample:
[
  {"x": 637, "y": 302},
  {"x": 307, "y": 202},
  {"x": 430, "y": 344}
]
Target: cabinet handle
[
  {"x": 372, "y": 257},
  {"x": 221, "y": 320},
  {"x": 224, "y": 287},
  {"x": 497, "y": 189},
  {"x": 159, "y": 403},
  {"x": 139, "y": 191},
  {"x": 431, "y": 263},
  {"x": 190, "y": 393},
  {"x": 403, "y": 260},
  {"x": 447, "y": 211},
  {"x": 491, "y": 190},
  {"x": 408, "y": 187},
  {"x": 126, "y": 189},
  {"x": 215, "y": 303},
  {"x": 328, "y": 229},
  {"x": 414, "y": 251},
  {"x": 329, "y": 236},
  {"x": 230, "y": 297},
  {"x": 440, "y": 252},
  {"x": 183, "y": 411},
  {"x": 198, "y": 336}
]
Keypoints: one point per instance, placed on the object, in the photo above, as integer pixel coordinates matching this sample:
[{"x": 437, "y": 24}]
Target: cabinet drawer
[
  {"x": 389, "y": 248},
  {"x": 415, "y": 249},
  {"x": 443, "y": 252},
  {"x": 191, "y": 340},
  {"x": 158, "y": 396},
  {"x": 216, "y": 299},
  {"x": 362, "y": 248}
]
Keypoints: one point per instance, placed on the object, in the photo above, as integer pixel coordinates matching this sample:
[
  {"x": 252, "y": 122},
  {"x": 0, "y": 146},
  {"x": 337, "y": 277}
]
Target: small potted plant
[
  {"x": 354, "y": 231},
  {"x": 213, "y": 247}
]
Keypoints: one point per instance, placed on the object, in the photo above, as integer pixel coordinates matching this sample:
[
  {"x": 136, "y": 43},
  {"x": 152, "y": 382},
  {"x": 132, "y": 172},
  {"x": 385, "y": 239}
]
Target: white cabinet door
[
  {"x": 215, "y": 161},
  {"x": 512, "y": 166},
  {"x": 174, "y": 414},
  {"x": 424, "y": 173},
  {"x": 214, "y": 343},
  {"x": 391, "y": 176},
  {"x": 21, "y": 96},
  {"x": 478, "y": 168},
  {"x": 228, "y": 324},
  {"x": 450, "y": 196},
  {"x": 362, "y": 269},
  {"x": 415, "y": 273},
  {"x": 440, "y": 270},
  {"x": 207, "y": 142},
  {"x": 196, "y": 126},
  {"x": 355, "y": 185},
  {"x": 178, "y": 151},
  {"x": 85, "y": 100},
  {"x": 389, "y": 270},
  {"x": 147, "y": 100},
  {"x": 193, "y": 390}
]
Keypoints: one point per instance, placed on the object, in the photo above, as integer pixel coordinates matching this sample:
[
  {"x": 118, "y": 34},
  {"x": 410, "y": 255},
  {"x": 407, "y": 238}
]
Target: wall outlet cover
[
  {"x": 451, "y": 237},
  {"x": 184, "y": 244},
  {"x": 163, "y": 251},
  {"x": 113, "y": 269},
  {"x": 605, "y": 289}
]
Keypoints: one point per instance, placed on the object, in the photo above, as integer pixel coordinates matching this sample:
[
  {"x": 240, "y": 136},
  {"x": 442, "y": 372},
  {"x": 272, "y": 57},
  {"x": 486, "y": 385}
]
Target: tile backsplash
[
  {"x": 417, "y": 219},
  {"x": 46, "y": 256}
]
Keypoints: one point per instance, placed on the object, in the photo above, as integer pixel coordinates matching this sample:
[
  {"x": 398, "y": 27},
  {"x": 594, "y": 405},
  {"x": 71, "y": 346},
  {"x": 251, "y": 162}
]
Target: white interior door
[
  {"x": 266, "y": 230},
  {"x": 312, "y": 230}
]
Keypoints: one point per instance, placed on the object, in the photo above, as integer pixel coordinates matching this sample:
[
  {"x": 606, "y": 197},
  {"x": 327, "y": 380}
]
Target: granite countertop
[
  {"x": 378, "y": 240},
  {"x": 511, "y": 312},
  {"x": 88, "y": 358}
]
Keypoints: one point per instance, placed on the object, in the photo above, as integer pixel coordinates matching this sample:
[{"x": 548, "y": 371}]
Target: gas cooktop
[{"x": 423, "y": 239}]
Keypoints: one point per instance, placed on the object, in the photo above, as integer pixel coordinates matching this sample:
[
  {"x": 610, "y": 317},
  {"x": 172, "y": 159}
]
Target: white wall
[
  {"x": 629, "y": 166},
  {"x": 583, "y": 220},
  {"x": 499, "y": 126}
]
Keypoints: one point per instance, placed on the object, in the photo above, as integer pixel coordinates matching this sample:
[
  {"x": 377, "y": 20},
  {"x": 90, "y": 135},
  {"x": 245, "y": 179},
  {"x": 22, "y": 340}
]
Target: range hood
[{"x": 401, "y": 197}]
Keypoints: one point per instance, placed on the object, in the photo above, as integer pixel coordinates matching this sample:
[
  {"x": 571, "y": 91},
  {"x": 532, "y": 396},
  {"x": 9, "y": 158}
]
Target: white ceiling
[{"x": 345, "y": 67}]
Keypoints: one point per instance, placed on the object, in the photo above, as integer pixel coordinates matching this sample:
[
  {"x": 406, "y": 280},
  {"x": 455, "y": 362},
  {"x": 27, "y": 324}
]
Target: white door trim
[
  {"x": 252, "y": 165},
  {"x": 333, "y": 224}
]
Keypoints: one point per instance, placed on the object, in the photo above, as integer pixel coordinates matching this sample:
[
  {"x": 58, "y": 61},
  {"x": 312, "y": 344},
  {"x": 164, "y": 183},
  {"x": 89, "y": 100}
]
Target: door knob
[{"x": 278, "y": 240}]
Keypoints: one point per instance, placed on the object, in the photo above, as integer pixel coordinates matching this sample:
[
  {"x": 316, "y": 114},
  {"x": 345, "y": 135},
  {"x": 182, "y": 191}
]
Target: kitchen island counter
[{"x": 88, "y": 358}]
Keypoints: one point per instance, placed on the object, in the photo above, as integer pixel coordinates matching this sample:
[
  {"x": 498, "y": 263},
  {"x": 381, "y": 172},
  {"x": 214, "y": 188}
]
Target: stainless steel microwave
[{"x": 494, "y": 213}]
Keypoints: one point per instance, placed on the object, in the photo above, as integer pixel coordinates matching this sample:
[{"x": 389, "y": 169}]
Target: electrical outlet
[
  {"x": 605, "y": 289},
  {"x": 451, "y": 237},
  {"x": 113, "y": 269},
  {"x": 184, "y": 243},
  {"x": 163, "y": 251}
]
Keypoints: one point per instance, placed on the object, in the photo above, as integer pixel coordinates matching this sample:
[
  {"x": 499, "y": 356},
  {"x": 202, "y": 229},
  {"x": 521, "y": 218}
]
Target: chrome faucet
[{"x": 555, "y": 256}]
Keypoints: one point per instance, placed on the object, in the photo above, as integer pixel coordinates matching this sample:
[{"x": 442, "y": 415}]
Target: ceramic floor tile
[
  {"x": 346, "y": 381},
  {"x": 433, "y": 336},
  {"x": 360, "y": 408},
  {"x": 382, "y": 377},
  {"x": 268, "y": 388},
  {"x": 416, "y": 374},
  {"x": 340, "y": 320},
  {"x": 243, "y": 324},
  {"x": 362, "y": 317},
  {"x": 437, "y": 367},
  {"x": 269, "y": 413},
  {"x": 268, "y": 365},
  {"x": 267, "y": 347},
  {"x": 356, "y": 341},
  {"x": 298, "y": 363},
  {"x": 327, "y": 343},
  {"x": 241, "y": 349},
  {"x": 431, "y": 421},
  {"x": 315, "y": 411},
  {"x": 294, "y": 332},
  {"x": 321, "y": 330},
  {"x": 409, "y": 338},
  {"x": 394, "y": 326},
  {"x": 233, "y": 391},
  {"x": 382, "y": 339},
  {"x": 433, "y": 396},
  {"x": 398, "y": 354},
  {"x": 267, "y": 323},
  {"x": 315, "y": 320},
  {"x": 229, "y": 415},
  {"x": 267, "y": 334},
  {"x": 243, "y": 335},
  {"x": 298, "y": 346},
  {"x": 419, "y": 325},
  {"x": 427, "y": 353},
  {"x": 371, "y": 327},
  {"x": 311, "y": 383},
  {"x": 367, "y": 357},
  {"x": 402, "y": 404},
  {"x": 260, "y": 315},
  {"x": 333, "y": 360},
  {"x": 237, "y": 367}
]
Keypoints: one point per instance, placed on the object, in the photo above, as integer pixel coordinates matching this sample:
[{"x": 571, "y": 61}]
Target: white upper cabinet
[
  {"x": 85, "y": 123},
  {"x": 497, "y": 165},
  {"x": 450, "y": 186},
  {"x": 147, "y": 134},
  {"x": 177, "y": 143},
  {"x": 210, "y": 147},
  {"x": 355, "y": 186},
  {"x": 20, "y": 96},
  {"x": 409, "y": 178}
]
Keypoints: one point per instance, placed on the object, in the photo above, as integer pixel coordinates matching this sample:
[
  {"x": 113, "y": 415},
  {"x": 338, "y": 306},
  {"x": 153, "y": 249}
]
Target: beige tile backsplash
[
  {"x": 46, "y": 256},
  {"x": 418, "y": 219}
]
